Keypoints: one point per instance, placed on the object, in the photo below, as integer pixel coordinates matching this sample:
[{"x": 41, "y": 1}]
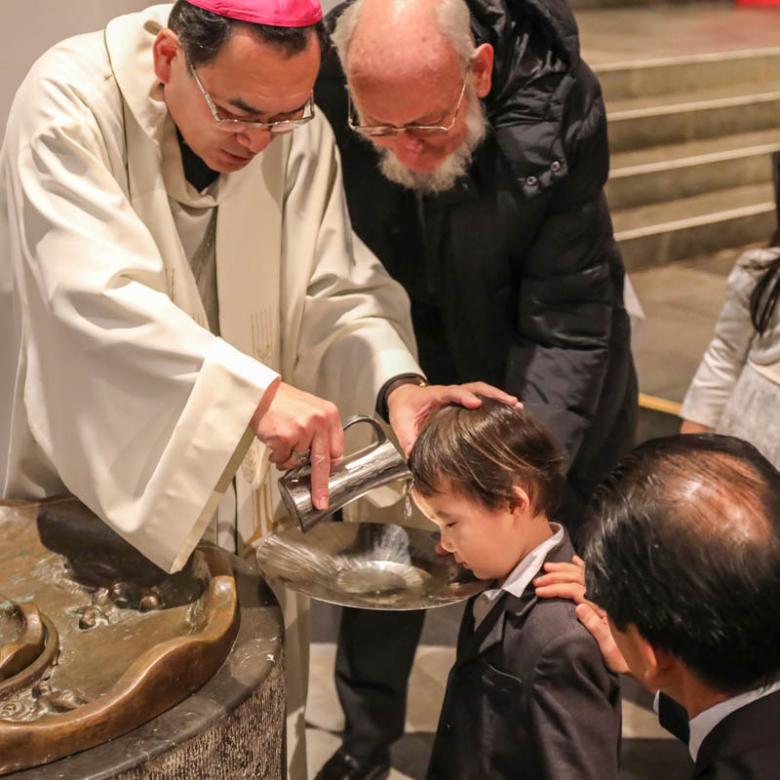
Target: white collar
[
  {"x": 129, "y": 40},
  {"x": 520, "y": 577},
  {"x": 705, "y": 721}
]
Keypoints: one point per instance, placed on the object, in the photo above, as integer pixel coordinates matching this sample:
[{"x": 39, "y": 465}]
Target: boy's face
[{"x": 490, "y": 542}]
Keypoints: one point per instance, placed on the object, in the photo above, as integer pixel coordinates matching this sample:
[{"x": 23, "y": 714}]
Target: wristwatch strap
[{"x": 392, "y": 384}]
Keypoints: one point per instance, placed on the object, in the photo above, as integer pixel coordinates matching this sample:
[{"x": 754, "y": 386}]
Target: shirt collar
[
  {"x": 705, "y": 721},
  {"x": 520, "y": 577}
]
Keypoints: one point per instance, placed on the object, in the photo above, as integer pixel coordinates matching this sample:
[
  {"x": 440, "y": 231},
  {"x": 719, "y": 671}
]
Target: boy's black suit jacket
[{"x": 529, "y": 696}]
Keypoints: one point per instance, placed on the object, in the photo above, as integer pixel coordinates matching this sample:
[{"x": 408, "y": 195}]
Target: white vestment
[{"x": 112, "y": 386}]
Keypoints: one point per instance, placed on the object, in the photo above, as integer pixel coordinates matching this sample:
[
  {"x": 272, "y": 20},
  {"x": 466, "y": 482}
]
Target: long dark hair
[{"x": 763, "y": 299}]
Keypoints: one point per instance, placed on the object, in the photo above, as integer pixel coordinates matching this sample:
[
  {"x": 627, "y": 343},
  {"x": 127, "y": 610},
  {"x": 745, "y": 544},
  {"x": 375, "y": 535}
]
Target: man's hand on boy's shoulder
[
  {"x": 595, "y": 620},
  {"x": 567, "y": 581},
  {"x": 562, "y": 581}
]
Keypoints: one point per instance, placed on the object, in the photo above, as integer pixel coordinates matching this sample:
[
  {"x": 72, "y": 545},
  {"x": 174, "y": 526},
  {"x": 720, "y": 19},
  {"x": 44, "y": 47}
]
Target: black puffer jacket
[{"x": 514, "y": 275}]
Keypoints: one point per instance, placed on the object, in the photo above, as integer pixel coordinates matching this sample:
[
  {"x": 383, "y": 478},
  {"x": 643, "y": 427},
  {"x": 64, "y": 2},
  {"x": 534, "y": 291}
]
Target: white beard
[{"x": 453, "y": 167}]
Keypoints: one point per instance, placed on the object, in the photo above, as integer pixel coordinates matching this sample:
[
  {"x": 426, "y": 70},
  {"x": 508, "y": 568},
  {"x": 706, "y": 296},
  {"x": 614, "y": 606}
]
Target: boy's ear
[{"x": 520, "y": 505}]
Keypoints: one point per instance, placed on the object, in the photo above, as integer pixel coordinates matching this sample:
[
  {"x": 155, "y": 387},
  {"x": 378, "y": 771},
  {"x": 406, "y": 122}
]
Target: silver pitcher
[{"x": 350, "y": 477}]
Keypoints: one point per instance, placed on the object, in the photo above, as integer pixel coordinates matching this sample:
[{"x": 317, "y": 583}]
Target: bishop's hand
[{"x": 297, "y": 426}]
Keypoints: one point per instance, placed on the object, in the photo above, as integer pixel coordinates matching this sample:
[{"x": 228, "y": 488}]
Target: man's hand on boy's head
[{"x": 410, "y": 405}]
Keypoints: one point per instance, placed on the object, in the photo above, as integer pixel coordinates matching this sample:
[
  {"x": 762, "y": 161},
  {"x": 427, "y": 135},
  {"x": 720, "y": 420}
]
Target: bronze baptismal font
[{"x": 95, "y": 642}]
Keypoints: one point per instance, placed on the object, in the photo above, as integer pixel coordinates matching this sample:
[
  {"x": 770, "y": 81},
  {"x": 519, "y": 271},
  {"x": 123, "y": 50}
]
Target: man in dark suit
[{"x": 684, "y": 560}]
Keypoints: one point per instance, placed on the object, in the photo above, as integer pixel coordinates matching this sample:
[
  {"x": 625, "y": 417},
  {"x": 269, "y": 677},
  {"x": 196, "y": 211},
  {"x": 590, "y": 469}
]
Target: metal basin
[{"x": 368, "y": 565}]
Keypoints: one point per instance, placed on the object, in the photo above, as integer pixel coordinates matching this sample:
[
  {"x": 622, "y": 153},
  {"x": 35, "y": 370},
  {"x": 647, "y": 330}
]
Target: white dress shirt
[{"x": 705, "y": 721}]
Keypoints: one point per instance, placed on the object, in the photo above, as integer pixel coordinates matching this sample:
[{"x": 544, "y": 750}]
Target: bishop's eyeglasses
[{"x": 235, "y": 124}]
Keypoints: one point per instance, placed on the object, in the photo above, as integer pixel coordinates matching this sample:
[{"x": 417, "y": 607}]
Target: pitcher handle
[
  {"x": 305, "y": 468},
  {"x": 381, "y": 438}
]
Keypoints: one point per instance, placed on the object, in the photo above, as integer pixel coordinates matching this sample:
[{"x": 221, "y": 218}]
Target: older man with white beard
[{"x": 474, "y": 147}]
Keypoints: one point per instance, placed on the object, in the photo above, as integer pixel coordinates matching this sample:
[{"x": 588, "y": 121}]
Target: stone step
[
  {"x": 693, "y": 99},
  {"x": 645, "y": 176},
  {"x": 642, "y": 123},
  {"x": 637, "y": 34},
  {"x": 687, "y": 73},
  {"x": 661, "y": 233}
]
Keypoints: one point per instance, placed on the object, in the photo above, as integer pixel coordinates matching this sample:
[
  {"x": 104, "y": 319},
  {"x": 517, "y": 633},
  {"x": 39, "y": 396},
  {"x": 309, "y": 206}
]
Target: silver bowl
[{"x": 368, "y": 565}]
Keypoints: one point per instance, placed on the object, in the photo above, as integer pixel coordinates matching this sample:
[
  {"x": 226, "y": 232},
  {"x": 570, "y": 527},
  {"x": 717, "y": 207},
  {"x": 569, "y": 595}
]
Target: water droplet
[{"x": 408, "y": 508}]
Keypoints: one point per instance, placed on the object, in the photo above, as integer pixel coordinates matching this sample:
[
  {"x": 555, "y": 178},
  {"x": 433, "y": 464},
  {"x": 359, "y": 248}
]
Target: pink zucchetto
[{"x": 279, "y": 13}]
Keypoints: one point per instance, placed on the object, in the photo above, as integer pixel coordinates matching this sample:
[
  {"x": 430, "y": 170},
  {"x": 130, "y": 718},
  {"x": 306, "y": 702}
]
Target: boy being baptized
[{"x": 529, "y": 695}]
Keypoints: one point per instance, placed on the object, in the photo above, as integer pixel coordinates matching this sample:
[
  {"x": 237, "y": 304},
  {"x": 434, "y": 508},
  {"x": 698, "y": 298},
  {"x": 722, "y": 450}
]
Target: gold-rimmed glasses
[
  {"x": 234, "y": 124},
  {"x": 382, "y": 131}
]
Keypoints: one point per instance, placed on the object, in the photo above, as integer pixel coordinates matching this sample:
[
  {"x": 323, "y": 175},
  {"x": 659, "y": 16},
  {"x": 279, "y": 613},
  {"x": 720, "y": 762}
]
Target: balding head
[
  {"x": 403, "y": 39},
  {"x": 715, "y": 493},
  {"x": 412, "y": 63},
  {"x": 685, "y": 547}
]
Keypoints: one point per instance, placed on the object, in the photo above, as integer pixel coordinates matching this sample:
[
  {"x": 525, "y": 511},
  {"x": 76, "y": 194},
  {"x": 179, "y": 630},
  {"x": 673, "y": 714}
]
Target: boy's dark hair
[
  {"x": 203, "y": 33},
  {"x": 483, "y": 453},
  {"x": 684, "y": 544}
]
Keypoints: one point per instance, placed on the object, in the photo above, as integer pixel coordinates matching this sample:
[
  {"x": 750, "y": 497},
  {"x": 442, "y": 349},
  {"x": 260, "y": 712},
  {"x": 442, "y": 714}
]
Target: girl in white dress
[{"x": 736, "y": 389}]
